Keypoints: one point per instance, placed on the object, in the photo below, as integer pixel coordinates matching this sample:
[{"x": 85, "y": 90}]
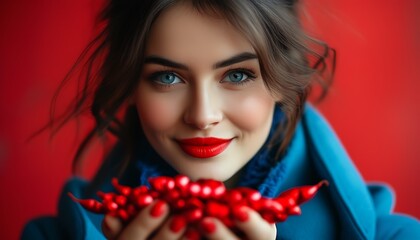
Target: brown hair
[{"x": 289, "y": 59}]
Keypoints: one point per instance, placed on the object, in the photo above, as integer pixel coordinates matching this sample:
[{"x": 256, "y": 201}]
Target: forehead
[{"x": 183, "y": 33}]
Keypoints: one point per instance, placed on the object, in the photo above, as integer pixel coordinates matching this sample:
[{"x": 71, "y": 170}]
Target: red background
[{"x": 373, "y": 105}]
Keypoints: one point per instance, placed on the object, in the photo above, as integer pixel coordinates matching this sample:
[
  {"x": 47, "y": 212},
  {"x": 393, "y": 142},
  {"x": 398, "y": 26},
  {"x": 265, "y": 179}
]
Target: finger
[
  {"x": 253, "y": 225},
  {"x": 173, "y": 228},
  {"x": 146, "y": 222},
  {"x": 111, "y": 226},
  {"x": 212, "y": 228}
]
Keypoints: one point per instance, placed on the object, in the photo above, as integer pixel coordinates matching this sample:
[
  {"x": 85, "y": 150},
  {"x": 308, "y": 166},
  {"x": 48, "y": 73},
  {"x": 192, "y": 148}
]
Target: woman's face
[{"x": 201, "y": 100}]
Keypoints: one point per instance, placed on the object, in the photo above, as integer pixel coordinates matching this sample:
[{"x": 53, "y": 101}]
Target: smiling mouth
[{"x": 204, "y": 147}]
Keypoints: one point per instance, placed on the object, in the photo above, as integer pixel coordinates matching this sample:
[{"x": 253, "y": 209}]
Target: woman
[{"x": 217, "y": 89}]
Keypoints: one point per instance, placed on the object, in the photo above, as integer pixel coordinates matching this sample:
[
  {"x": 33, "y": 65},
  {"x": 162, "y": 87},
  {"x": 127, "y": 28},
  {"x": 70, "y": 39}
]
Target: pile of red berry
[{"x": 199, "y": 199}]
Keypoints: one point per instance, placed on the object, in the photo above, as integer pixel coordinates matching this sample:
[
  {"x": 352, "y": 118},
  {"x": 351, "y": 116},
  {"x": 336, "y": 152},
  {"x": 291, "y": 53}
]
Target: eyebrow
[
  {"x": 224, "y": 63},
  {"x": 235, "y": 59}
]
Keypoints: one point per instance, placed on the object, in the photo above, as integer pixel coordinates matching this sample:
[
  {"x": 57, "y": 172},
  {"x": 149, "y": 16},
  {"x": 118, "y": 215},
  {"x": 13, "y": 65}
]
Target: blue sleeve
[
  {"x": 390, "y": 225},
  {"x": 42, "y": 228},
  {"x": 395, "y": 226},
  {"x": 72, "y": 220}
]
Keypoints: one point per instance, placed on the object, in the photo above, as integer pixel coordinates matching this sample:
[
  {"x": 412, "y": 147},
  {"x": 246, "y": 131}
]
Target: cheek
[
  {"x": 251, "y": 112},
  {"x": 157, "y": 113}
]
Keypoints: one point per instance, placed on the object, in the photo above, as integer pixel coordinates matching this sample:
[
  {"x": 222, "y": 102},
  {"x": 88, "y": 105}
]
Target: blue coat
[{"x": 347, "y": 209}]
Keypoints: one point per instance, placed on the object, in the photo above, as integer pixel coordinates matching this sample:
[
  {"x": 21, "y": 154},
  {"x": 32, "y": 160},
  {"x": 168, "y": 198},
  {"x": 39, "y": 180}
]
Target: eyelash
[{"x": 249, "y": 73}]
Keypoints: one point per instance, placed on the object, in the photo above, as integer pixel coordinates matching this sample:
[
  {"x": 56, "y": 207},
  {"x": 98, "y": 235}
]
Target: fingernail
[
  {"x": 177, "y": 223},
  {"x": 208, "y": 226},
  {"x": 192, "y": 234},
  {"x": 240, "y": 213},
  {"x": 158, "y": 209}
]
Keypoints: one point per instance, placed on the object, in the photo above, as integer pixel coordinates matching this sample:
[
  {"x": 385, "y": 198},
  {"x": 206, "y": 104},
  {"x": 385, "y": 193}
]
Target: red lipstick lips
[{"x": 203, "y": 147}]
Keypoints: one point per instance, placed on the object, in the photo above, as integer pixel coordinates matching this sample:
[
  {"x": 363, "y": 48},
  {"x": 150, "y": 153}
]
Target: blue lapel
[
  {"x": 347, "y": 187},
  {"x": 78, "y": 223}
]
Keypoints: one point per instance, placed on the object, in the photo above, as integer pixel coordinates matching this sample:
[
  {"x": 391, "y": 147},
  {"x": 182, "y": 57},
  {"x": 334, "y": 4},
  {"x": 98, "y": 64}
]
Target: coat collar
[
  {"x": 78, "y": 223},
  {"x": 347, "y": 187}
]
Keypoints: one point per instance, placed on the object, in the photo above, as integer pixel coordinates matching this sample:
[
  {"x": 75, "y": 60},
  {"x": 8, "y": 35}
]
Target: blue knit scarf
[{"x": 261, "y": 172}]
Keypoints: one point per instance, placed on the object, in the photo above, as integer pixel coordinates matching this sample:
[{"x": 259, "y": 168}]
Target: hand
[
  {"x": 248, "y": 220},
  {"x": 146, "y": 226},
  {"x": 151, "y": 223}
]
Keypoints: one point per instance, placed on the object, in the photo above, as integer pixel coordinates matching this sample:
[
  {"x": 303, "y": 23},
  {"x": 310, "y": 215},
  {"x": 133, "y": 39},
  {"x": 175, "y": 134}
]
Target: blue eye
[
  {"x": 167, "y": 78},
  {"x": 238, "y": 76}
]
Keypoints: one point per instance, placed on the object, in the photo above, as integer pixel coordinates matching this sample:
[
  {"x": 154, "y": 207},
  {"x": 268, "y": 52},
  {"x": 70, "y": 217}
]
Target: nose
[{"x": 203, "y": 108}]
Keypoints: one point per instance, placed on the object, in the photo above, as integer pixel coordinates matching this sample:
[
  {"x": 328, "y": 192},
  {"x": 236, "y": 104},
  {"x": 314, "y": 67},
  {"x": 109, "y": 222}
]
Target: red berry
[
  {"x": 286, "y": 202},
  {"x": 308, "y": 192},
  {"x": 139, "y": 190},
  {"x": 268, "y": 216},
  {"x": 154, "y": 194},
  {"x": 172, "y": 195},
  {"x": 110, "y": 205},
  {"x": 194, "y": 189},
  {"x": 193, "y": 203},
  {"x": 233, "y": 197},
  {"x": 217, "y": 188},
  {"x": 193, "y": 215},
  {"x": 178, "y": 204},
  {"x": 181, "y": 183},
  {"x": 195, "y": 200},
  {"x": 269, "y": 205},
  {"x": 106, "y": 196},
  {"x": 131, "y": 210},
  {"x": 280, "y": 217},
  {"x": 121, "y": 213},
  {"x": 294, "y": 210},
  {"x": 120, "y": 200},
  {"x": 205, "y": 192},
  {"x": 215, "y": 209},
  {"x": 89, "y": 204},
  {"x": 159, "y": 183},
  {"x": 143, "y": 200},
  {"x": 124, "y": 190},
  {"x": 219, "y": 191},
  {"x": 250, "y": 194}
]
